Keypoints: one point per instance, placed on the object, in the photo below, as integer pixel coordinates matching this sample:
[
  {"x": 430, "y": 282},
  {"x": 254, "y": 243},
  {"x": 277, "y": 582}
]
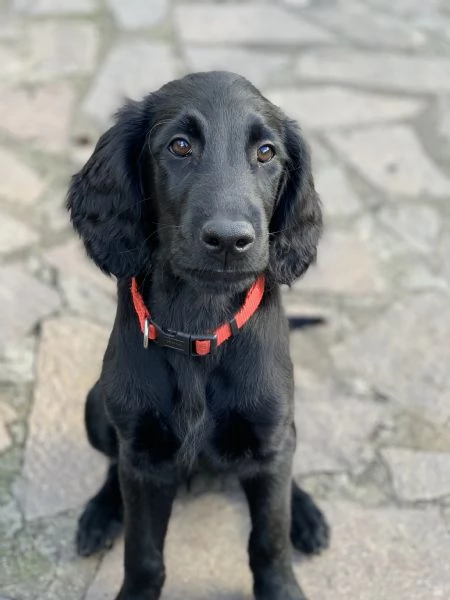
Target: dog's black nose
[{"x": 235, "y": 237}]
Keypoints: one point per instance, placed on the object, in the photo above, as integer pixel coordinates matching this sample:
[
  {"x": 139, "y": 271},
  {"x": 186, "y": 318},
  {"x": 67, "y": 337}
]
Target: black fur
[{"x": 160, "y": 415}]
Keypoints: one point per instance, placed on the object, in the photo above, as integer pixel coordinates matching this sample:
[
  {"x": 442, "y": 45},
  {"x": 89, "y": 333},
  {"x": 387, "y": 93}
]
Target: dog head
[{"x": 208, "y": 175}]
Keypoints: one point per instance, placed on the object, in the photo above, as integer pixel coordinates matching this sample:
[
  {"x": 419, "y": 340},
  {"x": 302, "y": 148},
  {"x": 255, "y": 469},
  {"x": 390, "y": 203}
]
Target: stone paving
[{"x": 370, "y": 84}]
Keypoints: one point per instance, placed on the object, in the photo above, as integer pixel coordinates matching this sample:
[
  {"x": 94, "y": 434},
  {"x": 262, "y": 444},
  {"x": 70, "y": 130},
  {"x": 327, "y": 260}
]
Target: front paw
[
  {"x": 289, "y": 591},
  {"x": 277, "y": 586},
  {"x": 310, "y": 532}
]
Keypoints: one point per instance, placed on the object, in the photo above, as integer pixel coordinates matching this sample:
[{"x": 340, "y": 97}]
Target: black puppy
[{"x": 201, "y": 201}]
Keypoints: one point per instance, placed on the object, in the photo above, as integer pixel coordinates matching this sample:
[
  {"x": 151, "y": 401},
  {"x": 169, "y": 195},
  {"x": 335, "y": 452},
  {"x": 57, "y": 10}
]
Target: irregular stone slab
[
  {"x": 87, "y": 300},
  {"x": 62, "y": 48},
  {"x": 417, "y": 225},
  {"x": 24, "y": 301},
  {"x": 136, "y": 14},
  {"x": 52, "y": 210},
  {"x": 11, "y": 63},
  {"x": 380, "y": 553},
  {"x": 418, "y": 475},
  {"x": 17, "y": 180},
  {"x": 444, "y": 116},
  {"x": 9, "y": 27},
  {"x": 132, "y": 70},
  {"x": 246, "y": 23},
  {"x": 405, "y": 355},
  {"x": 443, "y": 252},
  {"x": 331, "y": 436},
  {"x": 15, "y": 235},
  {"x": 405, "y": 73},
  {"x": 7, "y": 416},
  {"x": 392, "y": 158},
  {"x": 330, "y": 107},
  {"x": 358, "y": 23},
  {"x": 409, "y": 8},
  {"x": 256, "y": 65},
  {"x": 199, "y": 565},
  {"x": 420, "y": 278},
  {"x": 337, "y": 195},
  {"x": 62, "y": 7},
  {"x": 38, "y": 114},
  {"x": 61, "y": 470},
  {"x": 71, "y": 260},
  {"x": 17, "y": 361},
  {"x": 345, "y": 265}
]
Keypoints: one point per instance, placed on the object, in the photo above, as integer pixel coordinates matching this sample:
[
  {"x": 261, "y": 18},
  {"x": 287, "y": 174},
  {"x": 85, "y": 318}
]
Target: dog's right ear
[{"x": 106, "y": 199}]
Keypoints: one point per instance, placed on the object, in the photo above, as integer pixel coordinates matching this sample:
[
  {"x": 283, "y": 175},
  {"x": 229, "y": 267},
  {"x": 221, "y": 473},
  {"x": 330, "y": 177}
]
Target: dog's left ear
[{"x": 296, "y": 223}]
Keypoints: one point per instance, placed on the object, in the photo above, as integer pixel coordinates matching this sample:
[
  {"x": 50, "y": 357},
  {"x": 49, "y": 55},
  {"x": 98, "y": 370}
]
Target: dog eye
[
  {"x": 265, "y": 153},
  {"x": 180, "y": 147}
]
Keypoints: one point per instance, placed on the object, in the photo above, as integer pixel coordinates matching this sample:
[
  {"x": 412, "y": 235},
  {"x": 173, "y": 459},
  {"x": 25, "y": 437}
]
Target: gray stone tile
[
  {"x": 38, "y": 114},
  {"x": 17, "y": 361},
  {"x": 258, "y": 66},
  {"x": 380, "y": 553},
  {"x": 71, "y": 260},
  {"x": 405, "y": 73},
  {"x": 52, "y": 210},
  {"x": 9, "y": 27},
  {"x": 334, "y": 435},
  {"x": 418, "y": 475},
  {"x": 338, "y": 197},
  {"x": 15, "y": 235},
  {"x": 247, "y": 23},
  {"x": 407, "y": 7},
  {"x": 23, "y": 302},
  {"x": 132, "y": 69},
  {"x": 330, "y": 107},
  {"x": 18, "y": 182},
  {"x": 62, "y": 48},
  {"x": 7, "y": 416},
  {"x": 136, "y": 14},
  {"x": 12, "y": 64},
  {"x": 404, "y": 354},
  {"x": 392, "y": 158},
  {"x": 418, "y": 277},
  {"x": 356, "y": 22},
  {"x": 441, "y": 258},
  {"x": 345, "y": 265},
  {"x": 199, "y": 565},
  {"x": 87, "y": 300},
  {"x": 56, "y": 7},
  {"x": 419, "y": 226},
  {"x": 444, "y": 116},
  {"x": 60, "y": 469}
]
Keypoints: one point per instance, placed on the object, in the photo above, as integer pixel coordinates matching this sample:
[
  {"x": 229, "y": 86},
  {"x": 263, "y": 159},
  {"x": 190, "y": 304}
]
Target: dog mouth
[{"x": 220, "y": 276}]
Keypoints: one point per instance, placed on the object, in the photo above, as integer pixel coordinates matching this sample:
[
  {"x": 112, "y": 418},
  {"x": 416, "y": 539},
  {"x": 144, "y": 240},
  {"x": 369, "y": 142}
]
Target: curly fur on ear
[
  {"x": 106, "y": 200},
  {"x": 296, "y": 224}
]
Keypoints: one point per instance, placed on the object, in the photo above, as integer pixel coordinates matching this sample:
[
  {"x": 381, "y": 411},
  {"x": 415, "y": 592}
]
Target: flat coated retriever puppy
[{"x": 200, "y": 200}]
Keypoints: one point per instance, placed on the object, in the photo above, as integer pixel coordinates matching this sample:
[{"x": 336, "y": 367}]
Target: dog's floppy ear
[
  {"x": 106, "y": 200},
  {"x": 296, "y": 223}
]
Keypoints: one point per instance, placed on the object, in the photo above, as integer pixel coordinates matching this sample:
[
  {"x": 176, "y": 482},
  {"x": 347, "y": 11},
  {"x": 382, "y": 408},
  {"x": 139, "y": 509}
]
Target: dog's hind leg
[
  {"x": 101, "y": 520},
  {"x": 310, "y": 533}
]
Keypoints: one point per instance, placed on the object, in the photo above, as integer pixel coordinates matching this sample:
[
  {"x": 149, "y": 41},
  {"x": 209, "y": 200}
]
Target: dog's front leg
[
  {"x": 269, "y": 498},
  {"x": 148, "y": 504}
]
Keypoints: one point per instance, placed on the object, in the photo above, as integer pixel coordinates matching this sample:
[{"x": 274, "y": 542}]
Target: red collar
[{"x": 196, "y": 345}]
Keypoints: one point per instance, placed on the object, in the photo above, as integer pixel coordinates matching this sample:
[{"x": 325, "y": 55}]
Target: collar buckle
[{"x": 184, "y": 343}]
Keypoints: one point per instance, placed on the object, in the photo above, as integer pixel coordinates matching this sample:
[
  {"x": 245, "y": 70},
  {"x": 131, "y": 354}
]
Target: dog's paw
[
  {"x": 98, "y": 527},
  {"x": 310, "y": 532},
  {"x": 289, "y": 590}
]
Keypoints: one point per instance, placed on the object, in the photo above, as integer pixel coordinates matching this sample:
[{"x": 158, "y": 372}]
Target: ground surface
[{"x": 370, "y": 83}]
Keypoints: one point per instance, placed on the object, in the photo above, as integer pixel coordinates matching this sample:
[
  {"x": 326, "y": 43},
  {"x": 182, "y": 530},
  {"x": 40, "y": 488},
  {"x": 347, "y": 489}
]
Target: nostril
[
  {"x": 211, "y": 240},
  {"x": 243, "y": 242}
]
